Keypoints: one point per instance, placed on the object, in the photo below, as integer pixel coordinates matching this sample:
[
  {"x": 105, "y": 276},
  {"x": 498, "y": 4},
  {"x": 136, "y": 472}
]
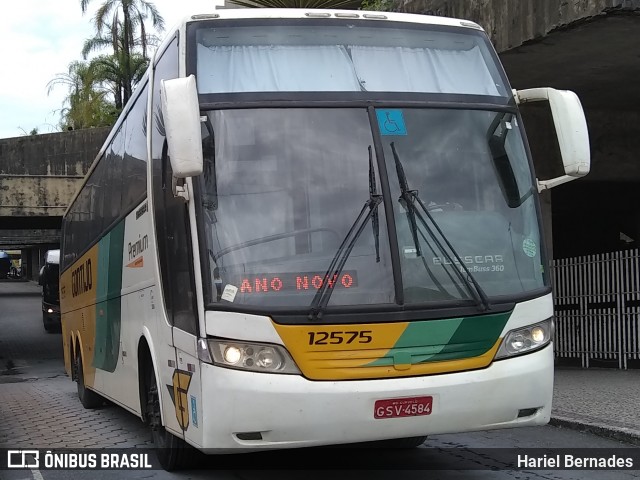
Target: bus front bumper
[{"x": 285, "y": 411}]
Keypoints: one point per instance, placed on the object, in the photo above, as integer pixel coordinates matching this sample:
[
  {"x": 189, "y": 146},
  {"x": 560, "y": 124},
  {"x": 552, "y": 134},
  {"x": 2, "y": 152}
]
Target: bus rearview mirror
[
  {"x": 181, "y": 113},
  {"x": 571, "y": 130}
]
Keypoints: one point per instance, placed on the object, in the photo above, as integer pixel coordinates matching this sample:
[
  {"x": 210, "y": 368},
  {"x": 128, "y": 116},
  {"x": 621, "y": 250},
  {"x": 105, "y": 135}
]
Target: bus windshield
[
  {"x": 301, "y": 56},
  {"x": 282, "y": 188}
]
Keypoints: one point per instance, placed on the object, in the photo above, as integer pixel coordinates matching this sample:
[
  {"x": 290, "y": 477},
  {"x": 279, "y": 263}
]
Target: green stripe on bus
[
  {"x": 476, "y": 335},
  {"x": 108, "y": 306},
  {"x": 447, "y": 339}
]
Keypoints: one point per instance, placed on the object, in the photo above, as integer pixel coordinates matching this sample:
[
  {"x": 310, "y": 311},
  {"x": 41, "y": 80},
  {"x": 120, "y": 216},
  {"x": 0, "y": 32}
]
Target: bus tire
[
  {"x": 401, "y": 443},
  {"x": 173, "y": 453},
  {"x": 88, "y": 398}
]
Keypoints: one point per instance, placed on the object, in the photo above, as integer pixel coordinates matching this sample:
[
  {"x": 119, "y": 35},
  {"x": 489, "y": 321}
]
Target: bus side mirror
[
  {"x": 571, "y": 130},
  {"x": 181, "y": 114}
]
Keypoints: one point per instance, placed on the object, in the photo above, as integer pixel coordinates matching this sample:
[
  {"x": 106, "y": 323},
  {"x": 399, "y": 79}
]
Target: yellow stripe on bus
[
  {"x": 78, "y": 286},
  {"x": 350, "y": 352},
  {"x": 329, "y": 370}
]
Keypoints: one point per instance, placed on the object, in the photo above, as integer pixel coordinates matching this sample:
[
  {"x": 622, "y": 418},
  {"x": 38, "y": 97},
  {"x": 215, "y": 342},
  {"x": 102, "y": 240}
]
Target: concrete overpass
[
  {"x": 38, "y": 176},
  {"x": 587, "y": 46}
]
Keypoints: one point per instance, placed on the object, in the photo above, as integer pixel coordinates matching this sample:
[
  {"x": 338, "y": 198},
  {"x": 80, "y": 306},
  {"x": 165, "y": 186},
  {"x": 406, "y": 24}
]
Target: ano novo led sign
[{"x": 292, "y": 282}]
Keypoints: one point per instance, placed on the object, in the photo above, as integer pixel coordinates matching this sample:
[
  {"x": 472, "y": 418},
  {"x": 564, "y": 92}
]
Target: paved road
[
  {"x": 603, "y": 400},
  {"x": 39, "y": 408},
  {"x": 24, "y": 343}
]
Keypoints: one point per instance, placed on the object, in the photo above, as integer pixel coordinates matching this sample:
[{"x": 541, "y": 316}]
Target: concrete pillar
[
  {"x": 36, "y": 255},
  {"x": 24, "y": 261}
]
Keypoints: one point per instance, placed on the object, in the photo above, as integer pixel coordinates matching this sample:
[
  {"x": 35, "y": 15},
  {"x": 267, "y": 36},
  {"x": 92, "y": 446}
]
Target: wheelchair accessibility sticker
[{"x": 391, "y": 122}]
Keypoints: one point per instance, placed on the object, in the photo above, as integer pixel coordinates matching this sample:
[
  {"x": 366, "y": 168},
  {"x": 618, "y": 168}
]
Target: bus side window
[
  {"x": 178, "y": 259},
  {"x": 172, "y": 222}
]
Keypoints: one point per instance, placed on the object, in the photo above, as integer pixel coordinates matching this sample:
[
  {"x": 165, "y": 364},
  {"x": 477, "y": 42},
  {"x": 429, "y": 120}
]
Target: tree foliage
[
  {"x": 124, "y": 23},
  {"x": 99, "y": 88},
  {"x": 86, "y": 104},
  {"x": 116, "y": 69}
]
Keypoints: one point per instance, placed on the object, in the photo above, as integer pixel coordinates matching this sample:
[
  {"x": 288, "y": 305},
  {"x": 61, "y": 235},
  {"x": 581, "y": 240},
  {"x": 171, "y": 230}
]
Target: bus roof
[{"x": 311, "y": 13}]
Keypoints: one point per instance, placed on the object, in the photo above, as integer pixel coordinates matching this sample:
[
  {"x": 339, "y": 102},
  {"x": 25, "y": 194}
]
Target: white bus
[{"x": 315, "y": 227}]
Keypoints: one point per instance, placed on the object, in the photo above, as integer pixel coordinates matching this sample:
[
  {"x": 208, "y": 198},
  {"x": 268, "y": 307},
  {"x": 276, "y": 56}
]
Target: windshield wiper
[
  {"x": 369, "y": 211},
  {"x": 408, "y": 199},
  {"x": 373, "y": 193}
]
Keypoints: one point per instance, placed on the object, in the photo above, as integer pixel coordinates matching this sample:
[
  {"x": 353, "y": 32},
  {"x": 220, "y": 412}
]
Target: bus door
[
  {"x": 181, "y": 380},
  {"x": 175, "y": 344}
]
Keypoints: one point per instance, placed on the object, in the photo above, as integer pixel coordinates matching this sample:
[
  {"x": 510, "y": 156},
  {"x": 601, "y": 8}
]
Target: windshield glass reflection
[
  {"x": 470, "y": 170},
  {"x": 283, "y": 188}
]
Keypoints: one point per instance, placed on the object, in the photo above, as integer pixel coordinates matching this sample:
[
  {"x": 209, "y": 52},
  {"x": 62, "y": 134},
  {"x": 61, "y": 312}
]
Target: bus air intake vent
[
  {"x": 527, "y": 412},
  {"x": 249, "y": 436}
]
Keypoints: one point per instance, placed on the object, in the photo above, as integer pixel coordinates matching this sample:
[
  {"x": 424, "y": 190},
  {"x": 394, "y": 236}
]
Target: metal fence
[{"x": 597, "y": 307}]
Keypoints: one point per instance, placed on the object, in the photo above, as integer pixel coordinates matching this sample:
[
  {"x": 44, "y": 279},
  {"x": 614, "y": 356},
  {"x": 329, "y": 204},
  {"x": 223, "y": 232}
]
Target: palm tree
[
  {"x": 86, "y": 104},
  {"x": 116, "y": 68},
  {"x": 115, "y": 41},
  {"x": 125, "y": 34},
  {"x": 110, "y": 70}
]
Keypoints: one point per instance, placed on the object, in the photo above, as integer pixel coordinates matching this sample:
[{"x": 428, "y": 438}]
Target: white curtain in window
[
  {"x": 269, "y": 68},
  {"x": 295, "y": 68},
  {"x": 402, "y": 69}
]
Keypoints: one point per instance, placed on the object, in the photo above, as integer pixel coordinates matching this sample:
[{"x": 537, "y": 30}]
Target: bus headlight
[
  {"x": 526, "y": 340},
  {"x": 256, "y": 357}
]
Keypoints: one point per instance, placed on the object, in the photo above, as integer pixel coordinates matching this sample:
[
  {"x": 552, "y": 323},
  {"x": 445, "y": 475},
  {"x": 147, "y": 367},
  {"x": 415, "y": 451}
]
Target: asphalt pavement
[{"x": 604, "y": 401}]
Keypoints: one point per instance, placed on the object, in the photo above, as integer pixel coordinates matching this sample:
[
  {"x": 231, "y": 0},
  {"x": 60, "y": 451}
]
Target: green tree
[
  {"x": 86, "y": 104},
  {"x": 124, "y": 35},
  {"x": 112, "y": 70}
]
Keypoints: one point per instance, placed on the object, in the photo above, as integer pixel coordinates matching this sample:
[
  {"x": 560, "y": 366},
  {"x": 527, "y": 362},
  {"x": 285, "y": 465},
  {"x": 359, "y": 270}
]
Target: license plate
[{"x": 403, "y": 407}]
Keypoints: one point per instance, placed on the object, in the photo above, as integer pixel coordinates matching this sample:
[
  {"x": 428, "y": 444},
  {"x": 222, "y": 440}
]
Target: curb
[{"x": 621, "y": 434}]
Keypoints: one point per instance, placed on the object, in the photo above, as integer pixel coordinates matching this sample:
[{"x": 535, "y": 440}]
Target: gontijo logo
[{"x": 81, "y": 279}]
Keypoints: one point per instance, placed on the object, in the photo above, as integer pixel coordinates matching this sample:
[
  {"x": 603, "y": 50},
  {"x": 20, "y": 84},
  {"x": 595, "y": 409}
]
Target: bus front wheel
[{"x": 173, "y": 453}]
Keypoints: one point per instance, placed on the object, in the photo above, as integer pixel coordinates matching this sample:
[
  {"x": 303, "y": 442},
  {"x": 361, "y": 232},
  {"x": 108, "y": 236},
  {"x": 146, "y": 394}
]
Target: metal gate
[{"x": 597, "y": 307}]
